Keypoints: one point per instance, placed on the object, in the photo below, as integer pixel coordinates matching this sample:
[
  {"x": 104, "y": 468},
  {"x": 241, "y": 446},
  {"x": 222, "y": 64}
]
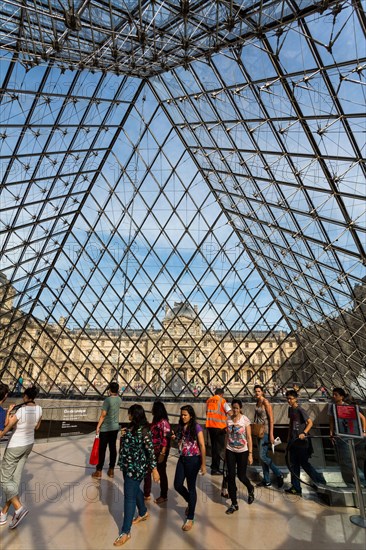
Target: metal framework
[{"x": 206, "y": 152}]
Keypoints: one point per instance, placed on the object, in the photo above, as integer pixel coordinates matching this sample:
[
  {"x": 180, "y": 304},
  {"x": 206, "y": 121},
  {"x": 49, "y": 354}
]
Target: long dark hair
[
  {"x": 4, "y": 390},
  {"x": 138, "y": 418},
  {"x": 191, "y": 428},
  {"x": 31, "y": 393},
  {"x": 159, "y": 411}
]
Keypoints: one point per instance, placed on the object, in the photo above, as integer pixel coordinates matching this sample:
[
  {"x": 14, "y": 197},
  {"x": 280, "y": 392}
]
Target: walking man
[{"x": 299, "y": 444}]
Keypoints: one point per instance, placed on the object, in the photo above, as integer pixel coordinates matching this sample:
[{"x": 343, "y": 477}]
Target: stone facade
[{"x": 179, "y": 358}]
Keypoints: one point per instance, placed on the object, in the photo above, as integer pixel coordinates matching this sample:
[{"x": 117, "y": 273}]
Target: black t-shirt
[{"x": 298, "y": 418}]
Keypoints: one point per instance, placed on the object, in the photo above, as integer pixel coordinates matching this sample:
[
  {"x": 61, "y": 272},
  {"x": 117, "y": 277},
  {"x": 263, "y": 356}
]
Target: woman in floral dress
[{"x": 136, "y": 457}]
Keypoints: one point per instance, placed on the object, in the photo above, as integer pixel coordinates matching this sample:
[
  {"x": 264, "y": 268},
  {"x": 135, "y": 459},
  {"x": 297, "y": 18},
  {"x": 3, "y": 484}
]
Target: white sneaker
[
  {"x": 3, "y": 518},
  {"x": 17, "y": 518}
]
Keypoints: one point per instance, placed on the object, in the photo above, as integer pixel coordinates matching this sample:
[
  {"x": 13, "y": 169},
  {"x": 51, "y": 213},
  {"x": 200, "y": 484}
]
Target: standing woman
[
  {"x": 239, "y": 452},
  {"x": 192, "y": 459},
  {"x": 161, "y": 432},
  {"x": 24, "y": 422},
  {"x": 107, "y": 429},
  {"x": 264, "y": 415},
  {"x": 136, "y": 457}
]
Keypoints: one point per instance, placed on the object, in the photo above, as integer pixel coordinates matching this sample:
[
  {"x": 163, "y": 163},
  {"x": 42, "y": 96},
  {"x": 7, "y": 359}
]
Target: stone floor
[{"x": 71, "y": 511}]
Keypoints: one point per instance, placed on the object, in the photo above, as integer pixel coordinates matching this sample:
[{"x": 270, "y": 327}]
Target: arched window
[
  {"x": 224, "y": 376},
  {"x": 249, "y": 376},
  {"x": 206, "y": 376}
]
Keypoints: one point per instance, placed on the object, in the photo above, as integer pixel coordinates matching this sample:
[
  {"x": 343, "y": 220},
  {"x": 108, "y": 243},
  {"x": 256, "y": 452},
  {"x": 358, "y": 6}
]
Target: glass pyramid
[{"x": 180, "y": 179}]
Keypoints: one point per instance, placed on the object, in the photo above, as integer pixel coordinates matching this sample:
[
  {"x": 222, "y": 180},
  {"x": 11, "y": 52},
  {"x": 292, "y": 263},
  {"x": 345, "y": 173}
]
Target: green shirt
[{"x": 111, "y": 405}]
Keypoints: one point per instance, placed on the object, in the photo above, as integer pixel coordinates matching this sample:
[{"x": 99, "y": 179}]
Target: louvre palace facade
[{"x": 179, "y": 358}]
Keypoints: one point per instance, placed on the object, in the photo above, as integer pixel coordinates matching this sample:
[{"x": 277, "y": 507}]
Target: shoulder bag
[{"x": 257, "y": 430}]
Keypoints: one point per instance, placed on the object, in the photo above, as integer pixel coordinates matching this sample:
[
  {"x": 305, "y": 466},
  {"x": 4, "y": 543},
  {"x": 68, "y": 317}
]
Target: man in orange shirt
[{"x": 217, "y": 410}]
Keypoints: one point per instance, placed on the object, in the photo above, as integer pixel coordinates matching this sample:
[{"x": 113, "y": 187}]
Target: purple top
[{"x": 188, "y": 446}]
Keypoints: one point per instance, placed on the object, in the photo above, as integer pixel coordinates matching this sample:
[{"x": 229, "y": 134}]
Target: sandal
[
  {"x": 121, "y": 539},
  {"x": 188, "y": 524},
  {"x": 140, "y": 518},
  {"x": 160, "y": 500}
]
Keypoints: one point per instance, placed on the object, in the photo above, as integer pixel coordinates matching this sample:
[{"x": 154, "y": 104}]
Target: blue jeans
[
  {"x": 267, "y": 464},
  {"x": 133, "y": 496},
  {"x": 188, "y": 468},
  {"x": 299, "y": 457}
]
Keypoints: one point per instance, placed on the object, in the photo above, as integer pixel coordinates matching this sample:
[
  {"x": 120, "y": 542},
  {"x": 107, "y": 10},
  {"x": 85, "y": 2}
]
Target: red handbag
[{"x": 94, "y": 455}]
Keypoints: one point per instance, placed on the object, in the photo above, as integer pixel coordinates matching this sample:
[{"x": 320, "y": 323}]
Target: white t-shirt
[
  {"x": 237, "y": 434},
  {"x": 28, "y": 417},
  {"x": 227, "y": 407}
]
